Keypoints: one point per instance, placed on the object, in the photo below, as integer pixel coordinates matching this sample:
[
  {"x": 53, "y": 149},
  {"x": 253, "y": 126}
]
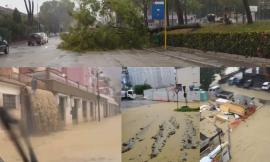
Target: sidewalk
[{"x": 210, "y": 58}]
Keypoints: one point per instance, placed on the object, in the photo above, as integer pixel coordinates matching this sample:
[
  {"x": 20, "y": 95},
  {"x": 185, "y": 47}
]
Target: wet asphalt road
[{"x": 48, "y": 55}]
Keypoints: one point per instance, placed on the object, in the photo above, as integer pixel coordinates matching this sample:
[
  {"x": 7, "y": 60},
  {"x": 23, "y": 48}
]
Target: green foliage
[
  {"x": 187, "y": 109},
  {"x": 140, "y": 88},
  {"x": 13, "y": 26},
  {"x": 119, "y": 26},
  {"x": 56, "y": 15},
  {"x": 17, "y": 16},
  {"x": 253, "y": 44},
  {"x": 208, "y": 75}
]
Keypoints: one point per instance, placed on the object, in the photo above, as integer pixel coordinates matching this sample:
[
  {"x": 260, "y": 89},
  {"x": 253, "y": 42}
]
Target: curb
[
  {"x": 183, "y": 58},
  {"x": 251, "y": 60}
]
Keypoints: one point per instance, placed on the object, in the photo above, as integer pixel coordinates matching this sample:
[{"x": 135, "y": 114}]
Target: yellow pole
[{"x": 165, "y": 25}]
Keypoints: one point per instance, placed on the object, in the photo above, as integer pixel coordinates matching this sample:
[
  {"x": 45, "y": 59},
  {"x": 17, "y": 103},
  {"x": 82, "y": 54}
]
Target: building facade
[{"x": 75, "y": 101}]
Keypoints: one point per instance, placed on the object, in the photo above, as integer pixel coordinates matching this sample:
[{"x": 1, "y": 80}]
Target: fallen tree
[{"x": 170, "y": 28}]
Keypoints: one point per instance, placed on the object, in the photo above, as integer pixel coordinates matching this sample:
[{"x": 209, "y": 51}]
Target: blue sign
[{"x": 158, "y": 11}]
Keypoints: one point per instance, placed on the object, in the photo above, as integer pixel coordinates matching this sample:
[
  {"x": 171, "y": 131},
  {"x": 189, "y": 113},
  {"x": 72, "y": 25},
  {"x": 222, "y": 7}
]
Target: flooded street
[
  {"x": 88, "y": 142},
  {"x": 260, "y": 94},
  {"x": 250, "y": 140},
  {"x": 50, "y": 55},
  {"x": 176, "y": 144}
]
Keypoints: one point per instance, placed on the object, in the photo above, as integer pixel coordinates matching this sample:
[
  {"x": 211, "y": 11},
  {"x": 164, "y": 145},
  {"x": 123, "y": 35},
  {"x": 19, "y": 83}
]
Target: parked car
[
  {"x": 239, "y": 82},
  {"x": 266, "y": 86},
  {"x": 35, "y": 39},
  {"x": 212, "y": 91},
  {"x": 248, "y": 83},
  {"x": 225, "y": 95},
  {"x": 232, "y": 80},
  {"x": 4, "y": 47},
  {"x": 45, "y": 38},
  {"x": 218, "y": 92}
]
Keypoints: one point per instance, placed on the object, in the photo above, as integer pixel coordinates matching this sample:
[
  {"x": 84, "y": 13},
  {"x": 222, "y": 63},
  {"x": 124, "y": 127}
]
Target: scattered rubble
[
  {"x": 166, "y": 129},
  {"x": 189, "y": 140},
  {"x": 126, "y": 146}
]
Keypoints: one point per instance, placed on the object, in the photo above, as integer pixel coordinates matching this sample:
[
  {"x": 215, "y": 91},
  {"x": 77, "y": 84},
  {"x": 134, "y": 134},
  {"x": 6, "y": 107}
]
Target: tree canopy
[
  {"x": 56, "y": 15},
  {"x": 106, "y": 24}
]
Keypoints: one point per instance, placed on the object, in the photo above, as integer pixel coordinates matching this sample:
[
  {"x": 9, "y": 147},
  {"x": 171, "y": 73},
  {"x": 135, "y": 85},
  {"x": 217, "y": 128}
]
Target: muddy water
[
  {"x": 251, "y": 139},
  {"x": 156, "y": 114},
  {"x": 88, "y": 142}
]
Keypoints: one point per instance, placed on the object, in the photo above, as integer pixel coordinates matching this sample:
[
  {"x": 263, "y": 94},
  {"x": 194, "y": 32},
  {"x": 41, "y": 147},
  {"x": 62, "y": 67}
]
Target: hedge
[{"x": 251, "y": 44}]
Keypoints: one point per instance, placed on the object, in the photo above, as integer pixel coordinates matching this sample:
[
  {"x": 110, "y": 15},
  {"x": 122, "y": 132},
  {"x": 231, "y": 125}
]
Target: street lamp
[{"x": 98, "y": 96}]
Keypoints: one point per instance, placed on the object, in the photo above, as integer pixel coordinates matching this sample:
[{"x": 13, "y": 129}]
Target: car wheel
[{"x": 7, "y": 50}]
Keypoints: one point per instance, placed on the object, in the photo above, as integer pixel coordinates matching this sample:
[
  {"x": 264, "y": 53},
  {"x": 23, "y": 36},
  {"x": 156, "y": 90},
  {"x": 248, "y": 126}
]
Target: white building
[{"x": 157, "y": 77}]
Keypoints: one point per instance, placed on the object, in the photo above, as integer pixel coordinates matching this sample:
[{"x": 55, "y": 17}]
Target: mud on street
[
  {"x": 89, "y": 142},
  {"x": 250, "y": 140},
  {"x": 154, "y": 133}
]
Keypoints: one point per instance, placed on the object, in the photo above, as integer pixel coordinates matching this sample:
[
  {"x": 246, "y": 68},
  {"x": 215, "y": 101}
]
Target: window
[{"x": 9, "y": 101}]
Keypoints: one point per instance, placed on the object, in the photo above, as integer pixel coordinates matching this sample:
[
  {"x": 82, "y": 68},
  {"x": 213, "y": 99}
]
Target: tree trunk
[
  {"x": 248, "y": 12},
  {"x": 167, "y": 13},
  {"x": 185, "y": 13},
  {"x": 179, "y": 12},
  {"x": 145, "y": 10}
]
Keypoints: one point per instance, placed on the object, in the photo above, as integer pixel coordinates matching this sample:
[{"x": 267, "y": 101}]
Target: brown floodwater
[{"x": 155, "y": 114}]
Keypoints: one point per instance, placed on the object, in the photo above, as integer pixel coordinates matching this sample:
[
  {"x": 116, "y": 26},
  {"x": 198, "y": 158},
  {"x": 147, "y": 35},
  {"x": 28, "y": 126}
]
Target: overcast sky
[{"x": 19, "y": 4}]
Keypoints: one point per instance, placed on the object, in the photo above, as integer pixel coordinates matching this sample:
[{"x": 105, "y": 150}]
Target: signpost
[
  {"x": 178, "y": 88},
  {"x": 159, "y": 10}
]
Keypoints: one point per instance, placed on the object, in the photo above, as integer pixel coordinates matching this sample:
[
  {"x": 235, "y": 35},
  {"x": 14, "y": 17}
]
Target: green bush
[
  {"x": 253, "y": 44},
  {"x": 140, "y": 88},
  {"x": 187, "y": 109}
]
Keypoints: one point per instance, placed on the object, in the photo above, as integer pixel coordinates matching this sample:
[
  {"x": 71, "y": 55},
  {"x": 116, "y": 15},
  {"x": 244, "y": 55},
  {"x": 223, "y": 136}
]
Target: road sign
[
  {"x": 253, "y": 8},
  {"x": 178, "y": 88},
  {"x": 158, "y": 10}
]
